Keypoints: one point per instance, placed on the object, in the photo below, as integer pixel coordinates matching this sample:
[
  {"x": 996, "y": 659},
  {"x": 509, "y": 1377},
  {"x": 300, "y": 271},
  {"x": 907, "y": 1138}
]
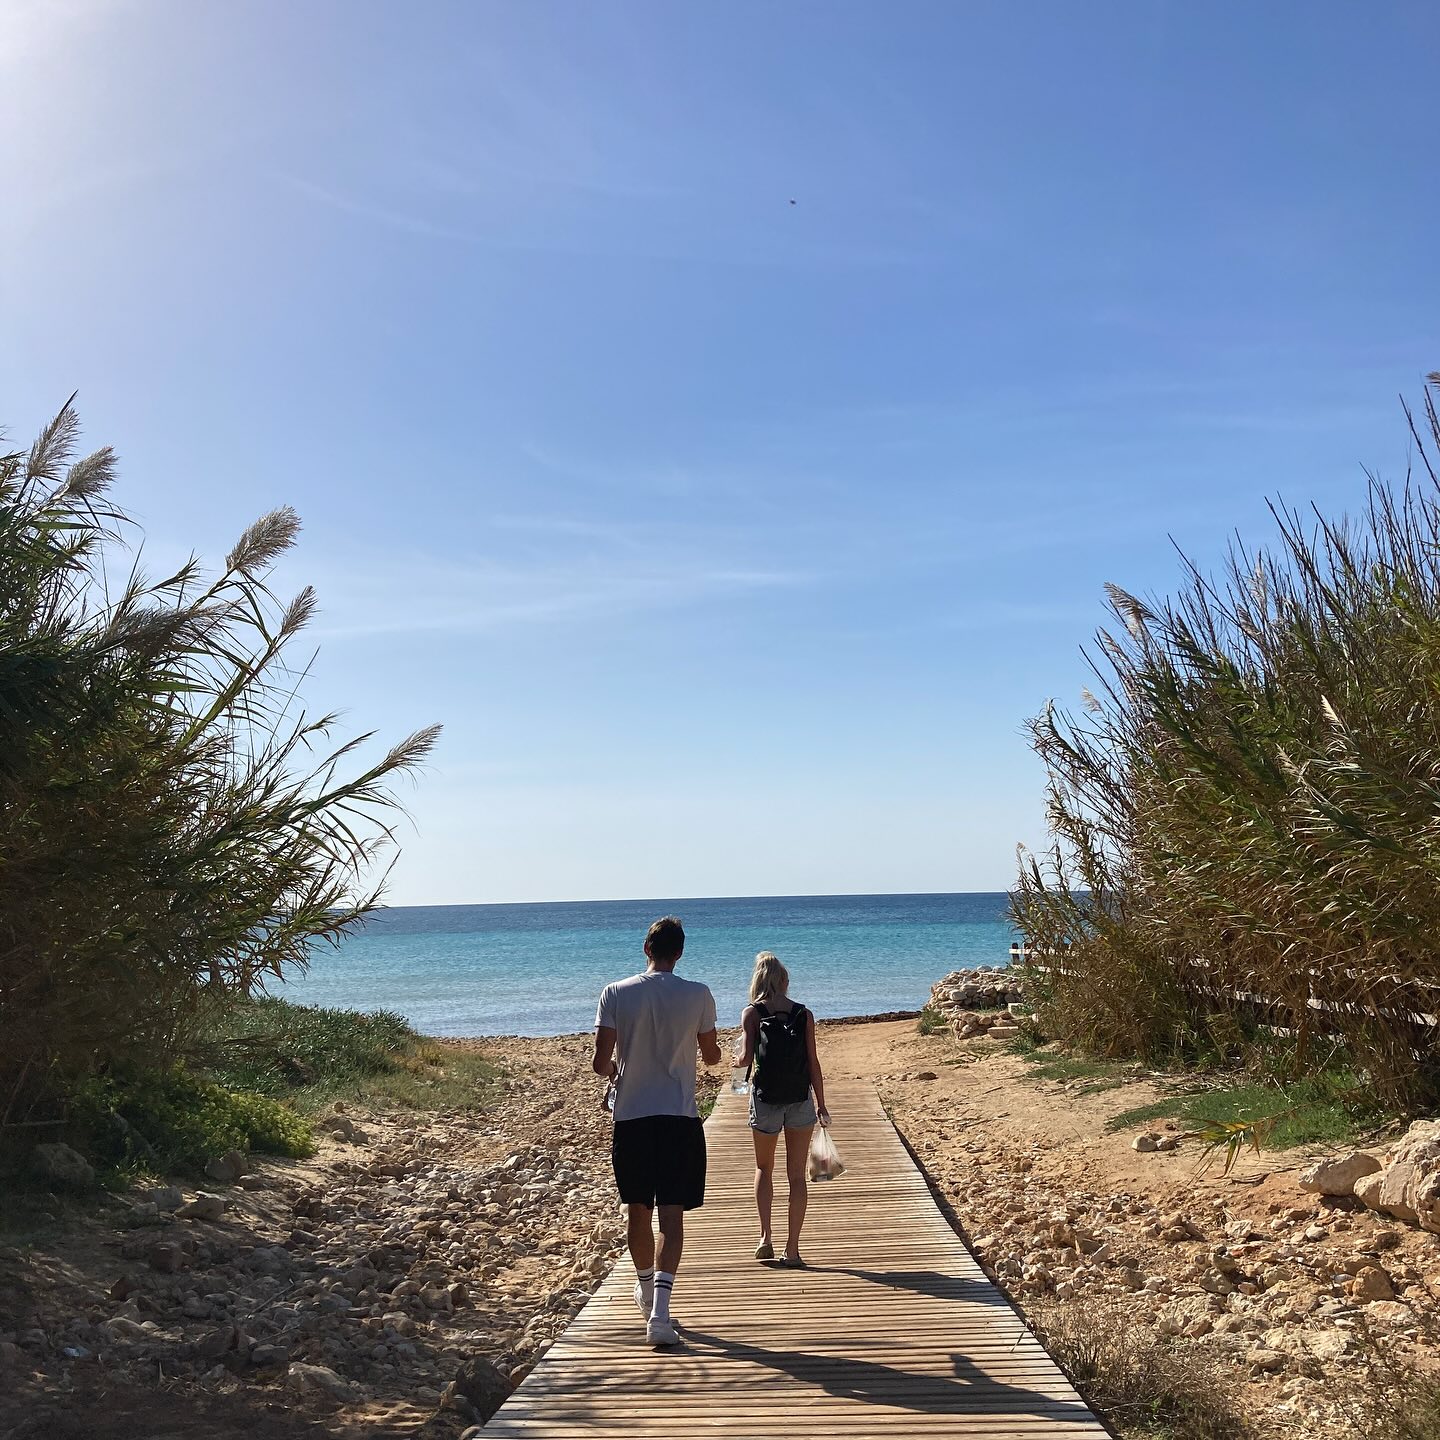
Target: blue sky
[{"x": 732, "y": 539}]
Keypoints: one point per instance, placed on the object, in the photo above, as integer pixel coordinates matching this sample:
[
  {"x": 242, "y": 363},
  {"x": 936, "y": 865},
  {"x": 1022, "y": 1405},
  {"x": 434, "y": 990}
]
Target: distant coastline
[{"x": 511, "y": 968}]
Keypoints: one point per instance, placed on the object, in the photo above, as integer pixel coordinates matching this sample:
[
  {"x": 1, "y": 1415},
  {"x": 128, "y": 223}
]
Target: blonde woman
[{"x": 787, "y": 1094}]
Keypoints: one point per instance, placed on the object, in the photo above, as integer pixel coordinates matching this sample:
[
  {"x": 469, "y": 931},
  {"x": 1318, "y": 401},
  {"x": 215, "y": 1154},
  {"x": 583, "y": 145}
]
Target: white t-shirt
[{"x": 657, "y": 1016}]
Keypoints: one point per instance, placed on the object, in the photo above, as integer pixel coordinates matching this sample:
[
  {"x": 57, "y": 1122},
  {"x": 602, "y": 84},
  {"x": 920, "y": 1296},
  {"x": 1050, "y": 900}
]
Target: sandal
[
  {"x": 764, "y": 1251},
  {"x": 793, "y": 1262}
]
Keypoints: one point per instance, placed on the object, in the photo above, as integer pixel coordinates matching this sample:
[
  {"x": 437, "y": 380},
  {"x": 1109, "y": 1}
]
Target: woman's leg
[
  {"x": 764, "y": 1182},
  {"x": 797, "y": 1158}
]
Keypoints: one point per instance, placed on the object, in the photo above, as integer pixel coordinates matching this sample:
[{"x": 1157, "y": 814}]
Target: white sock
[
  {"x": 660, "y": 1307},
  {"x": 647, "y": 1285}
]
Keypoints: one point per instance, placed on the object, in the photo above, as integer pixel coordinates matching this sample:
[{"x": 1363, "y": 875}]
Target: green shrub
[
  {"x": 1321, "y": 1109},
  {"x": 932, "y": 1022},
  {"x": 311, "y": 1056},
  {"x": 1243, "y": 823},
  {"x": 273, "y": 1047},
  {"x": 174, "y": 826},
  {"x": 175, "y": 1120}
]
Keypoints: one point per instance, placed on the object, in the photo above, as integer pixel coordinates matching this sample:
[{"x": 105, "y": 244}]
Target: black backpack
[{"x": 782, "y": 1056}]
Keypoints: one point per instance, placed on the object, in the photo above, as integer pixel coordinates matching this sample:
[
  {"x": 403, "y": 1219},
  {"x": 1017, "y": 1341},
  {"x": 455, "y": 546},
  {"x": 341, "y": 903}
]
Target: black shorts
[{"x": 660, "y": 1160}]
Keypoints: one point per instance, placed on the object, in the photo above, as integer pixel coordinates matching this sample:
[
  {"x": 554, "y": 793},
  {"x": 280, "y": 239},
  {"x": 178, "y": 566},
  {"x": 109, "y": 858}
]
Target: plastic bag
[{"x": 825, "y": 1161}]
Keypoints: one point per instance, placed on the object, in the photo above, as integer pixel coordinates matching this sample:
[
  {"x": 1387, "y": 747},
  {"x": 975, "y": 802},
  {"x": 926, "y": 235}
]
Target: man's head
[{"x": 665, "y": 943}]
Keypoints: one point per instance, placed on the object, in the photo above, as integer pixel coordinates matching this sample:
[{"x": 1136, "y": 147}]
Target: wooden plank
[{"x": 891, "y": 1332}]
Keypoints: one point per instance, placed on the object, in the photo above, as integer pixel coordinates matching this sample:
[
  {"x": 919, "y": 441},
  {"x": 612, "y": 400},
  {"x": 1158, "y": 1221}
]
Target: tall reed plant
[
  {"x": 174, "y": 828},
  {"x": 1245, "y": 816}
]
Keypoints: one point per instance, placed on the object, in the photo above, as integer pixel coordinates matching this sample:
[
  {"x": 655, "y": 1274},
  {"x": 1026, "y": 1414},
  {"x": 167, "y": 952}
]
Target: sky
[{"x": 722, "y": 418}]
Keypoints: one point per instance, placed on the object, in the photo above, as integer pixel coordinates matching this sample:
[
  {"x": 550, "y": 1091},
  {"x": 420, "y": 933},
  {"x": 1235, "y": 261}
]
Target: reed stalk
[
  {"x": 174, "y": 828},
  {"x": 1245, "y": 817}
]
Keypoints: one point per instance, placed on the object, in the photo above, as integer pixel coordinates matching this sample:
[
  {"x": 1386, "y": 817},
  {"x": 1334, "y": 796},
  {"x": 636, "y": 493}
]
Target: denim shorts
[{"x": 772, "y": 1119}]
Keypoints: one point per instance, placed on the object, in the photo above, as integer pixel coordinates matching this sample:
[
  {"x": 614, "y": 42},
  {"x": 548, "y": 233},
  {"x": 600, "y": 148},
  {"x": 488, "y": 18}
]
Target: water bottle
[{"x": 739, "y": 1081}]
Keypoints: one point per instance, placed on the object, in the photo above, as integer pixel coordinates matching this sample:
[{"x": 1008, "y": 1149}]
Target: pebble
[
  {"x": 162, "y": 1197},
  {"x": 61, "y": 1168},
  {"x": 227, "y": 1168},
  {"x": 1266, "y": 1360},
  {"x": 205, "y": 1206},
  {"x": 323, "y": 1380},
  {"x": 1372, "y": 1283},
  {"x": 167, "y": 1257}
]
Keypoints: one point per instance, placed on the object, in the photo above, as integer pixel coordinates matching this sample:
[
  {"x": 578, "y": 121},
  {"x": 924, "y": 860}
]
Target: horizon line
[{"x": 692, "y": 899}]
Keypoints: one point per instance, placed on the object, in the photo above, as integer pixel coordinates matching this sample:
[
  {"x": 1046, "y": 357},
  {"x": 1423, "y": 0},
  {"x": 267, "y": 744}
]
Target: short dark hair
[{"x": 665, "y": 940}]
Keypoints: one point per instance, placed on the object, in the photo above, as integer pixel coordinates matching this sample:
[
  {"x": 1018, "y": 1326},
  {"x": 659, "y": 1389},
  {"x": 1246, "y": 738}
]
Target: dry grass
[
  {"x": 1141, "y": 1383},
  {"x": 1386, "y": 1397}
]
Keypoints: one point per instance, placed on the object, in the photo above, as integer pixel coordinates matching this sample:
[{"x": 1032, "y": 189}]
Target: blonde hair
[{"x": 771, "y": 979}]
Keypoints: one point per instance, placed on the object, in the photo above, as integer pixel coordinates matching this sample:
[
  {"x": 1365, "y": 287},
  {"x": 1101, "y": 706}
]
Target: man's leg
[
  {"x": 640, "y": 1235},
  {"x": 632, "y": 1151},
  {"x": 679, "y": 1185},
  {"x": 672, "y": 1238},
  {"x": 672, "y": 1242}
]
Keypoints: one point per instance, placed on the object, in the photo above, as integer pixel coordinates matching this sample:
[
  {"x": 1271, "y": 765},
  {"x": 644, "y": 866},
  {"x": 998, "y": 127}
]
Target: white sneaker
[
  {"x": 661, "y": 1333},
  {"x": 644, "y": 1299}
]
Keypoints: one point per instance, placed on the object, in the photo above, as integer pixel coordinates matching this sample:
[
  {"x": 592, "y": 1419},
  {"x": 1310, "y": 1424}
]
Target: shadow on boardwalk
[
  {"x": 932, "y": 1283},
  {"x": 870, "y": 1383},
  {"x": 896, "y": 1333}
]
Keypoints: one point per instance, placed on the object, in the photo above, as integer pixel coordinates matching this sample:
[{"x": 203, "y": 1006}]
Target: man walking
[{"x": 647, "y": 1032}]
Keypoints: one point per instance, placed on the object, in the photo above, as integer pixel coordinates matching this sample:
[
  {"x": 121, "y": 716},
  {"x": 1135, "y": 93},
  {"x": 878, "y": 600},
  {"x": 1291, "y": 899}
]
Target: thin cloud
[
  {"x": 373, "y": 596},
  {"x": 410, "y": 223}
]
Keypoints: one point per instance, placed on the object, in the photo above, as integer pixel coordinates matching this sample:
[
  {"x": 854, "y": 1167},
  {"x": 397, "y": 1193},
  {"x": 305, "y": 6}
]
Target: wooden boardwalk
[{"x": 892, "y": 1332}]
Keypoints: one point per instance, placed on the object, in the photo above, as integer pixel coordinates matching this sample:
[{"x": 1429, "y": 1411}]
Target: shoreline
[{"x": 878, "y": 1018}]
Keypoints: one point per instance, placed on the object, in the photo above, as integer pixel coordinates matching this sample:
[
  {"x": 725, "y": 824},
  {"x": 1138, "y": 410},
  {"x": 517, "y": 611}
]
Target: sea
[{"x": 539, "y": 969}]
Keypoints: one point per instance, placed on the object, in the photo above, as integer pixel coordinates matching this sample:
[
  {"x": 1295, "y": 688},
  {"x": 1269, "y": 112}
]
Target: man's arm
[
  {"x": 709, "y": 1046},
  {"x": 705, "y": 1030},
  {"x": 604, "y": 1061}
]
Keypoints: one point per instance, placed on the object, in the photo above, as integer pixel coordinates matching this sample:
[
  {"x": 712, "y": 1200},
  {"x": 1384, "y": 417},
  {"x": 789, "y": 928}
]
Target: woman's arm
[
  {"x": 749, "y": 1031},
  {"x": 817, "y": 1076}
]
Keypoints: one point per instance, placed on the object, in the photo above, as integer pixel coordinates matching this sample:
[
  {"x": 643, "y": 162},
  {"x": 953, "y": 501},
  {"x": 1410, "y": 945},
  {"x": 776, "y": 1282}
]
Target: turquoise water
[{"x": 539, "y": 969}]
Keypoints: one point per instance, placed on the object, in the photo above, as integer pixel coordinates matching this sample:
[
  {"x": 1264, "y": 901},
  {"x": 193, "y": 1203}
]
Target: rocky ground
[
  {"x": 401, "y": 1281},
  {"x": 398, "y": 1283},
  {"x": 1304, "y": 1299}
]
